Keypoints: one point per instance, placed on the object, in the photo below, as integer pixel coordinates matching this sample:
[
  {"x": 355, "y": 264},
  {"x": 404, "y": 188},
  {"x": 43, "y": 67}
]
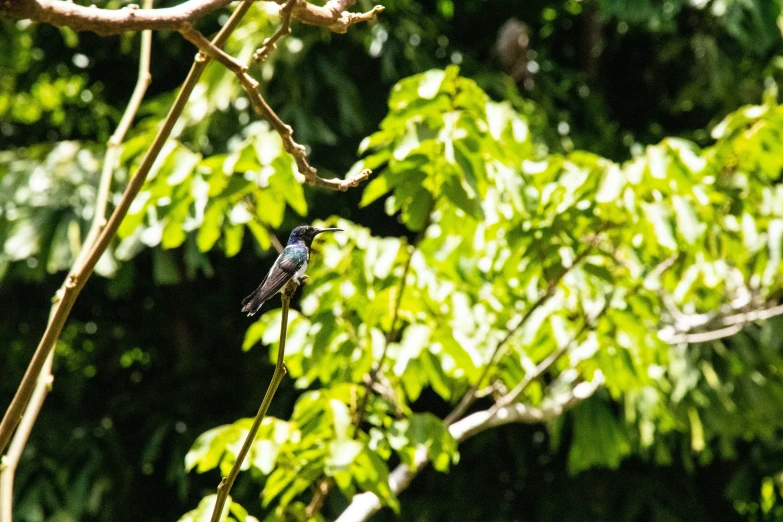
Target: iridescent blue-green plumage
[{"x": 291, "y": 263}]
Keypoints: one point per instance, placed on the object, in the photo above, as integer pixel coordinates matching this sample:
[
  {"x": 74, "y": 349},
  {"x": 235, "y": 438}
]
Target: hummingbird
[{"x": 291, "y": 263}]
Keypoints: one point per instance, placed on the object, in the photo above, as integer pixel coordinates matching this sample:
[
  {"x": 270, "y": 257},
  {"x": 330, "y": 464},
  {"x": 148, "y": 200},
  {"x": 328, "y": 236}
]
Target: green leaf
[
  {"x": 688, "y": 223},
  {"x": 457, "y": 192},
  {"x": 660, "y": 218},
  {"x": 428, "y": 432},
  {"x": 599, "y": 439},
  {"x": 341, "y": 455}
]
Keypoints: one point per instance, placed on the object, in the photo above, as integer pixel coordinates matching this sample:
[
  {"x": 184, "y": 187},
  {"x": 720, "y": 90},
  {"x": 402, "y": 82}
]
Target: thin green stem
[{"x": 228, "y": 481}]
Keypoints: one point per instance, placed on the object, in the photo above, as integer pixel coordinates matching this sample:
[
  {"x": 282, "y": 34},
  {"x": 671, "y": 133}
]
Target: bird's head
[{"x": 306, "y": 234}]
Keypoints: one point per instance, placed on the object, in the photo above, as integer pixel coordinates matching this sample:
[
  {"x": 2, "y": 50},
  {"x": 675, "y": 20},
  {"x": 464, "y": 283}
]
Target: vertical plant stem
[
  {"x": 224, "y": 488},
  {"x": 15, "y": 449},
  {"x": 78, "y": 277}
]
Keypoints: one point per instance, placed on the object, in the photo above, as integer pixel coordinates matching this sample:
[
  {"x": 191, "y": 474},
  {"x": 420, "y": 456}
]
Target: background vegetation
[{"x": 597, "y": 179}]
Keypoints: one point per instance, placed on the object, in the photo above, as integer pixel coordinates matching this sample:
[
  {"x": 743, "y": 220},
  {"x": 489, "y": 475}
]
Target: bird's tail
[{"x": 253, "y": 303}]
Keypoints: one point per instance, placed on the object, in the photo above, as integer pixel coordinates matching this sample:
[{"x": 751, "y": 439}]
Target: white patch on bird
[{"x": 301, "y": 271}]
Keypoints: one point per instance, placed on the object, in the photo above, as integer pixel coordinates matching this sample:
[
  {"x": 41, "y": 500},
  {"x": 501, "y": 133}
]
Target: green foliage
[
  {"x": 46, "y": 204},
  {"x": 435, "y": 142},
  {"x": 214, "y": 197},
  {"x": 613, "y": 247},
  {"x": 317, "y": 441}
]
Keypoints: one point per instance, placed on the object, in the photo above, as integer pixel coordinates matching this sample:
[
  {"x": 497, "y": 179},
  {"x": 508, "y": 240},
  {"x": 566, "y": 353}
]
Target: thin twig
[
  {"x": 276, "y": 244},
  {"x": 390, "y": 335},
  {"x": 224, "y": 488},
  {"x": 44, "y": 381},
  {"x": 333, "y": 15},
  {"x": 542, "y": 367},
  {"x": 262, "y": 108},
  {"x": 11, "y": 460},
  {"x": 326, "y": 483},
  {"x": 78, "y": 277},
  {"x": 114, "y": 145},
  {"x": 393, "y": 327},
  {"x": 316, "y": 503},
  {"x": 270, "y": 44}
]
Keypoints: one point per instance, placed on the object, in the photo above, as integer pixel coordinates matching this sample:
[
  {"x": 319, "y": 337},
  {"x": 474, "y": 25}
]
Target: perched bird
[{"x": 291, "y": 263}]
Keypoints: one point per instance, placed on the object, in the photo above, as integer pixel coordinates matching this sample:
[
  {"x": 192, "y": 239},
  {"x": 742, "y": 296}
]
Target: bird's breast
[{"x": 301, "y": 271}]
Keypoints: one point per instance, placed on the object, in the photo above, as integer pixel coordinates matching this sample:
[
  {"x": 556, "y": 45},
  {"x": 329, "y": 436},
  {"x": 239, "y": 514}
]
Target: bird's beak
[{"x": 319, "y": 230}]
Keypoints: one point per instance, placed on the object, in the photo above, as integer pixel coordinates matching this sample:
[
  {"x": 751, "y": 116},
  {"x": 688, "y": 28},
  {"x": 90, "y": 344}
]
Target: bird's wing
[{"x": 284, "y": 269}]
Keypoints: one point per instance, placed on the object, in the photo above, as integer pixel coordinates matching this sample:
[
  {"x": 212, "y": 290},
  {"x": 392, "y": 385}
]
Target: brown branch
[
  {"x": 44, "y": 381},
  {"x": 333, "y": 15},
  {"x": 63, "y": 13},
  {"x": 270, "y": 44},
  {"x": 263, "y": 109},
  {"x": 365, "y": 504},
  {"x": 78, "y": 277},
  {"x": 278, "y": 246},
  {"x": 114, "y": 148},
  {"x": 317, "y": 502},
  {"x": 11, "y": 460},
  {"x": 224, "y": 488}
]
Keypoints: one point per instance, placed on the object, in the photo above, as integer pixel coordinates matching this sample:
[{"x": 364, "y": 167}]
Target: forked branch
[
  {"x": 470, "y": 395},
  {"x": 180, "y": 18},
  {"x": 270, "y": 44},
  {"x": 363, "y": 505}
]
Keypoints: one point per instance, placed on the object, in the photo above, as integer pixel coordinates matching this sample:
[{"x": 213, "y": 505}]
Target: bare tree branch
[
  {"x": 262, "y": 108},
  {"x": 270, "y": 44},
  {"x": 104, "y": 22},
  {"x": 333, "y": 15},
  {"x": 62, "y": 13},
  {"x": 224, "y": 488},
  {"x": 365, "y": 504},
  {"x": 11, "y": 459},
  {"x": 725, "y": 326},
  {"x": 513, "y": 395}
]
